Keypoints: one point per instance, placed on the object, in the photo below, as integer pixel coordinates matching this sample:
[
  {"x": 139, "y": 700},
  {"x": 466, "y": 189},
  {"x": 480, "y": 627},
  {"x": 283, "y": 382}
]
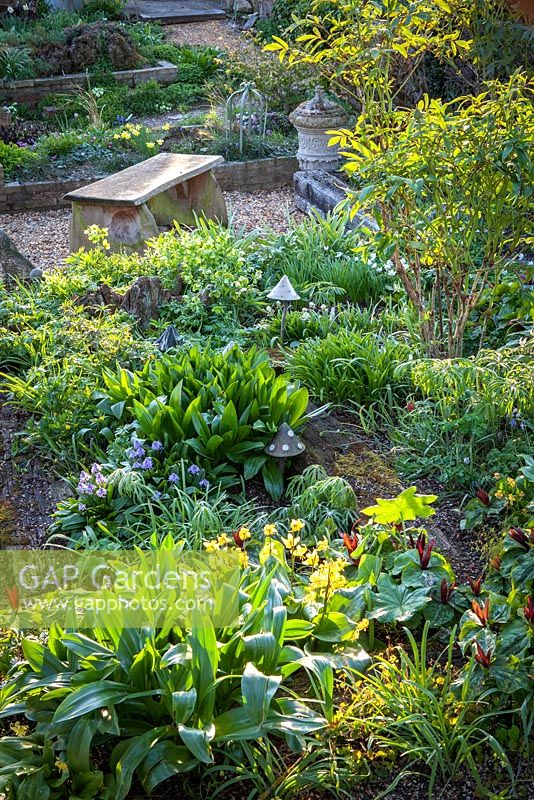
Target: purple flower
[
  {"x": 147, "y": 463},
  {"x": 136, "y": 464},
  {"x": 81, "y": 506},
  {"x": 156, "y": 495},
  {"x": 203, "y": 484},
  {"x": 157, "y": 446},
  {"x": 193, "y": 469},
  {"x": 173, "y": 478},
  {"x": 101, "y": 492}
]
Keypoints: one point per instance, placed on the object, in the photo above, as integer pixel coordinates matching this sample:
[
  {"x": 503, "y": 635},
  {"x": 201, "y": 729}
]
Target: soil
[{"x": 28, "y": 492}]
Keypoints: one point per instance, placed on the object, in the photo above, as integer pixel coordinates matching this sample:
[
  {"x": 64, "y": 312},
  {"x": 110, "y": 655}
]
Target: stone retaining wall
[
  {"x": 240, "y": 176},
  {"x": 32, "y": 91}
]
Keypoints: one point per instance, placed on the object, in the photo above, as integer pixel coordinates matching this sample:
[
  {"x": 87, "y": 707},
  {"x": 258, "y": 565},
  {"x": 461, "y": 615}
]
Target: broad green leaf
[{"x": 407, "y": 506}]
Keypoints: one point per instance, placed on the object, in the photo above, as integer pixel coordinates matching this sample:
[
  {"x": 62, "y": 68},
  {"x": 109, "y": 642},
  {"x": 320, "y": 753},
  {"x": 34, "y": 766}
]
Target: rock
[
  {"x": 144, "y": 298},
  {"x": 251, "y": 21},
  {"x": 169, "y": 339},
  {"x": 36, "y": 274},
  {"x": 13, "y": 265},
  {"x": 243, "y": 7},
  {"x": 323, "y": 191}
]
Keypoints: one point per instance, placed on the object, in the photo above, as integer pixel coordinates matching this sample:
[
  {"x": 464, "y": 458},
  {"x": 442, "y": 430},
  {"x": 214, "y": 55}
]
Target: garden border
[
  {"x": 244, "y": 176},
  {"x": 33, "y": 90}
]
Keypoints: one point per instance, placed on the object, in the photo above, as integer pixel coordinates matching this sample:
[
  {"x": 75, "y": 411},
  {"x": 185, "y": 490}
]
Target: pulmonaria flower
[
  {"x": 270, "y": 530},
  {"x": 483, "y": 496},
  {"x": 483, "y": 658},
  {"x": 157, "y": 446},
  {"x": 296, "y": 525},
  {"x": 85, "y": 484},
  {"x": 481, "y": 612},
  {"x": 193, "y": 469},
  {"x": 147, "y": 463},
  {"x": 173, "y": 478},
  {"x": 203, "y": 484},
  {"x": 446, "y": 590},
  {"x": 424, "y": 550},
  {"x": 476, "y": 585}
]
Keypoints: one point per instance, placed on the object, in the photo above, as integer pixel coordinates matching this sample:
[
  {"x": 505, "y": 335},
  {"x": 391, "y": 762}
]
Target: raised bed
[
  {"x": 244, "y": 176},
  {"x": 32, "y": 91}
]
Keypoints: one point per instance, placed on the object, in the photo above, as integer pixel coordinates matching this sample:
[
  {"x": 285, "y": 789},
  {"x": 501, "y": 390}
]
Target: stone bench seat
[{"x": 137, "y": 202}]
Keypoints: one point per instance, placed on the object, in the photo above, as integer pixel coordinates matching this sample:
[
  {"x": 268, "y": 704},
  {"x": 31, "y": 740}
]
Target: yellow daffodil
[
  {"x": 270, "y": 530},
  {"x": 296, "y": 525}
]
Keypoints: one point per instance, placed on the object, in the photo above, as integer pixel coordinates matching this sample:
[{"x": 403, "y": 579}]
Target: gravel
[
  {"x": 222, "y": 34},
  {"x": 43, "y": 236}
]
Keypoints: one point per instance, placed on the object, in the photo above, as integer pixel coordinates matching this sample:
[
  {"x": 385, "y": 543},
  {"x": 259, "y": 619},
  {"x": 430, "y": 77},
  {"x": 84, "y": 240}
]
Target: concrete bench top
[{"x": 137, "y": 184}]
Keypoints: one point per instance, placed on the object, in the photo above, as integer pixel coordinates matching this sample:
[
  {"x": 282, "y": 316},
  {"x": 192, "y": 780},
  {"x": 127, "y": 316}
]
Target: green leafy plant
[
  {"x": 221, "y": 408},
  {"x": 352, "y": 367}
]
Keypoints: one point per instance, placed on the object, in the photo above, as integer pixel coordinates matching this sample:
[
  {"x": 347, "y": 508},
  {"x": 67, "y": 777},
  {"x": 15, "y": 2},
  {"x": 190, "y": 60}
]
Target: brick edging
[{"x": 244, "y": 176}]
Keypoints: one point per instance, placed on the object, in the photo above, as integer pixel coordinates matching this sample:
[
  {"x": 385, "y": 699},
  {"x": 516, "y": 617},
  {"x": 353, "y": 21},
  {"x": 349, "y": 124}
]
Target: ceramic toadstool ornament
[{"x": 286, "y": 443}]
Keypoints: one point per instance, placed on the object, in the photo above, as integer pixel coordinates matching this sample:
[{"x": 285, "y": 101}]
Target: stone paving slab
[
  {"x": 137, "y": 184},
  {"x": 170, "y": 13}
]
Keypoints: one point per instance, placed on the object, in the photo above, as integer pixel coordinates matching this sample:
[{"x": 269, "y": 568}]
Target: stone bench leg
[
  {"x": 129, "y": 226},
  {"x": 201, "y": 196}
]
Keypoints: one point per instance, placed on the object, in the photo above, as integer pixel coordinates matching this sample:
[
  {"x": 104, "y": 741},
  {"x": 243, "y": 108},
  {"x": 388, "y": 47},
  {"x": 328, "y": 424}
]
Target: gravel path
[
  {"x": 43, "y": 236},
  {"x": 221, "y": 34}
]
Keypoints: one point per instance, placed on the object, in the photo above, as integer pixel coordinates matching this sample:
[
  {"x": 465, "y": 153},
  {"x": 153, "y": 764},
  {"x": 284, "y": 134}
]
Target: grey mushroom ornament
[
  {"x": 286, "y": 294},
  {"x": 286, "y": 444}
]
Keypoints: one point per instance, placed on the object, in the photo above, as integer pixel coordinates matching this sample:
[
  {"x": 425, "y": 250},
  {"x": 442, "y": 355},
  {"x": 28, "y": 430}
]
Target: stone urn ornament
[{"x": 313, "y": 119}]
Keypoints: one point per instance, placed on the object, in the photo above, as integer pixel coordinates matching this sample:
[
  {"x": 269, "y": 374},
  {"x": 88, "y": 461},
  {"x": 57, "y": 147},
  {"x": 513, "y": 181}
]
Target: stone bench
[{"x": 137, "y": 202}]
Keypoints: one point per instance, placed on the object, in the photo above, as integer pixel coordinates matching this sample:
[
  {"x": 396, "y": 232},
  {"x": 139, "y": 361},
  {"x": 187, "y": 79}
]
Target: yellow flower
[
  {"x": 270, "y": 530},
  {"x": 291, "y": 542},
  {"x": 312, "y": 559},
  {"x": 160, "y": 142},
  {"x": 300, "y": 551},
  {"x": 62, "y": 766},
  {"x": 212, "y": 546},
  {"x": 362, "y": 625},
  {"x": 166, "y": 127},
  {"x": 243, "y": 558},
  {"x": 125, "y": 135},
  {"x": 296, "y": 525},
  {"x": 150, "y": 145},
  {"x": 117, "y": 136},
  {"x": 223, "y": 540},
  {"x": 19, "y": 729},
  {"x": 326, "y": 579},
  {"x": 244, "y": 534},
  {"x": 322, "y": 545}
]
